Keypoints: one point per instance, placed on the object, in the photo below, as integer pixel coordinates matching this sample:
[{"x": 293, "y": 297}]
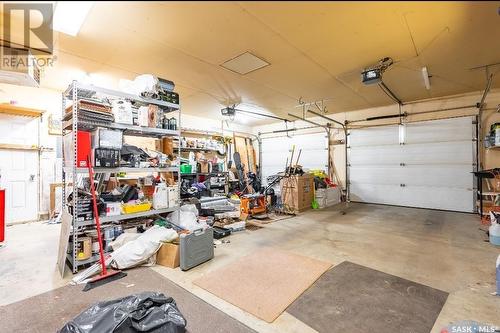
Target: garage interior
[{"x": 250, "y": 167}]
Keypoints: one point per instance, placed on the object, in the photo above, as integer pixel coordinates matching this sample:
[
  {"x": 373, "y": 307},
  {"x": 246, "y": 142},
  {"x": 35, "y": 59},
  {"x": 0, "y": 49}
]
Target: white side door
[
  {"x": 427, "y": 164},
  {"x": 18, "y": 171},
  {"x": 19, "y": 168}
]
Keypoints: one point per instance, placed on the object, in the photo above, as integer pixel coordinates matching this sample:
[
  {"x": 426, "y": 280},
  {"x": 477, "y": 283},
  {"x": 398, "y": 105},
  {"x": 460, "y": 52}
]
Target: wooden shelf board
[
  {"x": 15, "y": 110},
  {"x": 11, "y": 146}
]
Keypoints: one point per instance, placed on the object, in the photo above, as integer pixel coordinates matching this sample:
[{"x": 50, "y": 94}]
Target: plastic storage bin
[
  {"x": 135, "y": 208},
  {"x": 186, "y": 168}
]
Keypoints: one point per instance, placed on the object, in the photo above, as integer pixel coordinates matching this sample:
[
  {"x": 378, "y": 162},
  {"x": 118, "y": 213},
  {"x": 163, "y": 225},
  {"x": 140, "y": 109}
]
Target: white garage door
[
  {"x": 275, "y": 151},
  {"x": 426, "y": 164}
]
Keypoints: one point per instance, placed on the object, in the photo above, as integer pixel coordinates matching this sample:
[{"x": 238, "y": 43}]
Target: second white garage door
[
  {"x": 426, "y": 164},
  {"x": 275, "y": 152}
]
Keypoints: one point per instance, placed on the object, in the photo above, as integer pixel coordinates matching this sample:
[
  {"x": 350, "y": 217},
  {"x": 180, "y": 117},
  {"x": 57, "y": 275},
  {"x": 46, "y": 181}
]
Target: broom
[{"x": 106, "y": 275}]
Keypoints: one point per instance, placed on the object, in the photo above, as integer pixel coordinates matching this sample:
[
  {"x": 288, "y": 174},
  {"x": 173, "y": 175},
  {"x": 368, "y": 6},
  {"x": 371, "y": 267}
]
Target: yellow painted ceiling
[{"x": 316, "y": 50}]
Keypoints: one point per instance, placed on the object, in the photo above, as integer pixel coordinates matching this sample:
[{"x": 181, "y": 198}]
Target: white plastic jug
[
  {"x": 494, "y": 229},
  {"x": 160, "y": 196}
]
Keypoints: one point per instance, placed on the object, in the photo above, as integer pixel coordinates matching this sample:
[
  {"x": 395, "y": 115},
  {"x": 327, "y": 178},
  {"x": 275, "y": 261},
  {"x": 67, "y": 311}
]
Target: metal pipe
[
  {"x": 415, "y": 113},
  {"x": 306, "y": 120},
  {"x": 375, "y": 118},
  {"x": 486, "y": 90},
  {"x": 407, "y": 122},
  {"x": 262, "y": 115},
  {"x": 389, "y": 91},
  {"x": 480, "y": 116},
  {"x": 385, "y": 117},
  {"x": 344, "y": 127},
  {"x": 288, "y": 130},
  {"x": 327, "y": 118},
  {"x": 443, "y": 110}
]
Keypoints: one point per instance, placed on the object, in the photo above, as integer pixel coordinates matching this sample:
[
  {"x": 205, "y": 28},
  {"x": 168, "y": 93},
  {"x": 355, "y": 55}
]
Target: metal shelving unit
[
  {"x": 207, "y": 176},
  {"x": 123, "y": 169},
  {"x": 72, "y": 175},
  {"x": 199, "y": 149},
  {"x": 108, "y": 219}
]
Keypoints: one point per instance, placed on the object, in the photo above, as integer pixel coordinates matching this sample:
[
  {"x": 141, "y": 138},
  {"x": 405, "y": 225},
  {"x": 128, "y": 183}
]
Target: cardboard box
[
  {"x": 203, "y": 167},
  {"x": 297, "y": 192},
  {"x": 113, "y": 208},
  {"x": 168, "y": 146},
  {"x": 122, "y": 111},
  {"x": 107, "y": 138},
  {"x": 168, "y": 255}
]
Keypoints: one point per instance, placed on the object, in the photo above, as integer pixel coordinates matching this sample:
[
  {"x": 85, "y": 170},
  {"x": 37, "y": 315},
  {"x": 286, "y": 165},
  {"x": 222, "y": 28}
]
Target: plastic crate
[{"x": 136, "y": 208}]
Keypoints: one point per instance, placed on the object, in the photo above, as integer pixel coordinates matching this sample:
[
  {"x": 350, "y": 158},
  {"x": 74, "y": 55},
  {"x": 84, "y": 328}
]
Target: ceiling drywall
[{"x": 316, "y": 50}]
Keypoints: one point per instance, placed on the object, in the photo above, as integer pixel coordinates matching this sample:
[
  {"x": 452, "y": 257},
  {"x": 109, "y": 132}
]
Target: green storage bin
[{"x": 186, "y": 168}]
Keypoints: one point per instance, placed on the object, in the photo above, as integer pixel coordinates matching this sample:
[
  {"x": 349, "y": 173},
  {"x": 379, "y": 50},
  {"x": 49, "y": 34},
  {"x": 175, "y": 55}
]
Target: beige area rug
[{"x": 264, "y": 283}]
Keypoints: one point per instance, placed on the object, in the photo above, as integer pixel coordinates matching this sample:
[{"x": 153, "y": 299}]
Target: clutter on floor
[
  {"x": 265, "y": 282},
  {"x": 50, "y": 311},
  {"x": 386, "y": 303},
  {"x": 143, "y": 312}
]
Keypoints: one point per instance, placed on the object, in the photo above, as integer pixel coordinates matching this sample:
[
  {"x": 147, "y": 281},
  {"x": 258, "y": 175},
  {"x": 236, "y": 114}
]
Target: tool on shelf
[{"x": 106, "y": 275}]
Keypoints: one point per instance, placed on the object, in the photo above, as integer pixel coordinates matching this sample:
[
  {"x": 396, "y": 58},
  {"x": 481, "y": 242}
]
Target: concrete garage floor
[{"x": 444, "y": 250}]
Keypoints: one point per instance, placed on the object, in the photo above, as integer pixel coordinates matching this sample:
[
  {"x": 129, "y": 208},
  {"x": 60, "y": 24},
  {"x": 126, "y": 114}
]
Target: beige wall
[{"x": 489, "y": 158}]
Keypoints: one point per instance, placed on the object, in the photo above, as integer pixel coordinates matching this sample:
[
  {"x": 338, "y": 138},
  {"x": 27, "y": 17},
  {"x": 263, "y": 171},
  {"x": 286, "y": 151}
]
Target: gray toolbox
[{"x": 196, "y": 248}]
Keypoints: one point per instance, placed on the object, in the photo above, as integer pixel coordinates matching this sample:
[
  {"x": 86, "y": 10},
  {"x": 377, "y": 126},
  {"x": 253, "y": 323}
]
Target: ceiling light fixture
[
  {"x": 70, "y": 15},
  {"x": 425, "y": 75}
]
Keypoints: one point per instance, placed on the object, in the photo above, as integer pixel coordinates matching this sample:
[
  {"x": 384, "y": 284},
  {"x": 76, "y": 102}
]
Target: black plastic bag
[{"x": 144, "y": 312}]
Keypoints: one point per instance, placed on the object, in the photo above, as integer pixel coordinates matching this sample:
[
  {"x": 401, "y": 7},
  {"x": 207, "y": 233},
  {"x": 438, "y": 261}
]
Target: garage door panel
[
  {"x": 460, "y": 152},
  {"x": 452, "y": 176},
  {"x": 414, "y": 196},
  {"x": 430, "y": 153},
  {"x": 275, "y": 152},
  {"x": 375, "y": 155},
  {"x": 388, "y": 135},
  {"x": 434, "y": 164},
  {"x": 375, "y": 193},
  {"x": 439, "y": 131}
]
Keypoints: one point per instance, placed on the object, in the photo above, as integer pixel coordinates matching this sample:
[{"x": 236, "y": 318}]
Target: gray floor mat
[
  {"x": 48, "y": 312},
  {"x": 353, "y": 298}
]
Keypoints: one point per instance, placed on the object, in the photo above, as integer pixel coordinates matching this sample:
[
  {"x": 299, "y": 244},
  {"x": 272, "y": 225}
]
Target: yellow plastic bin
[{"x": 136, "y": 208}]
